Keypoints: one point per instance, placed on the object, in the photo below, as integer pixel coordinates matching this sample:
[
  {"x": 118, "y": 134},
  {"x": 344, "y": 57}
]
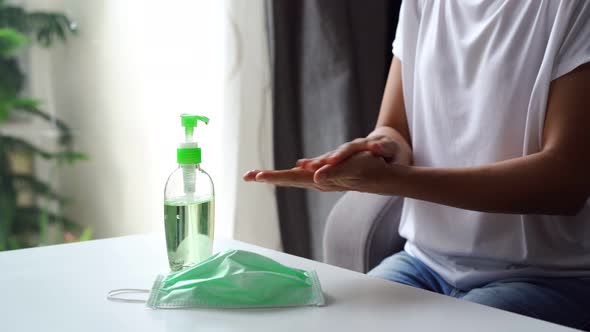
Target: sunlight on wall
[{"x": 122, "y": 84}]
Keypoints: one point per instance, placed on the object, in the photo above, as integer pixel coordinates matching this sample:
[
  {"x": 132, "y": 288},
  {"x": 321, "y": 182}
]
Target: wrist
[
  {"x": 405, "y": 156},
  {"x": 403, "y": 177},
  {"x": 397, "y": 181},
  {"x": 383, "y": 131}
]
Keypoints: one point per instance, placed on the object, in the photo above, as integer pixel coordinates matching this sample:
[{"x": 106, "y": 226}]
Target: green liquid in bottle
[{"x": 189, "y": 231}]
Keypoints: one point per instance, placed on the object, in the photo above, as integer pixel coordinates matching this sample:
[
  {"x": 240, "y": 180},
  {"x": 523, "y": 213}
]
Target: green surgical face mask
[{"x": 233, "y": 279}]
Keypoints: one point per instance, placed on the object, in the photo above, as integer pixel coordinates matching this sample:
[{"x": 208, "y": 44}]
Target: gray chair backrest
[{"x": 362, "y": 230}]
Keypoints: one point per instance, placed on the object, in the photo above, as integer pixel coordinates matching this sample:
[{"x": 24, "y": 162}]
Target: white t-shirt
[{"x": 476, "y": 77}]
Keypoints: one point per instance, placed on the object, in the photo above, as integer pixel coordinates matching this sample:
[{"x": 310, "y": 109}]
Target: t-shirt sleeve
[
  {"x": 407, "y": 28},
  {"x": 575, "y": 48}
]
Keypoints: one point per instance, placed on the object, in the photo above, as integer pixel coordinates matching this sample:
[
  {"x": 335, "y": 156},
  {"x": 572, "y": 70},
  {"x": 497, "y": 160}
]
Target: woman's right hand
[{"x": 381, "y": 143}]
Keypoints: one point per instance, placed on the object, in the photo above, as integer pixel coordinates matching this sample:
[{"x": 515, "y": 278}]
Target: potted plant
[{"x": 26, "y": 225}]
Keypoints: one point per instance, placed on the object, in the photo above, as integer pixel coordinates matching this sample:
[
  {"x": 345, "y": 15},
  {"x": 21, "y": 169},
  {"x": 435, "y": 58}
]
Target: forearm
[
  {"x": 540, "y": 183},
  {"x": 392, "y": 121},
  {"x": 553, "y": 181},
  {"x": 392, "y": 113}
]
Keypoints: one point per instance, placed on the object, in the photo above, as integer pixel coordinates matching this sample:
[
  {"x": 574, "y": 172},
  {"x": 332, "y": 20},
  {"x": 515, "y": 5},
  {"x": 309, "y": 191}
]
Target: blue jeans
[{"x": 565, "y": 301}]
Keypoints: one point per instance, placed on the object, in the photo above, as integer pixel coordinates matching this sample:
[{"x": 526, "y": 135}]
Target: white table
[{"x": 63, "y": 288}]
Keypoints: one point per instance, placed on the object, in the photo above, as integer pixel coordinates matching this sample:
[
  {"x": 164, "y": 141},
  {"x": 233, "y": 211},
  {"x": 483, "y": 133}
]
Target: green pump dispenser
[
  {"x": 189, "y": 203},
  {"x": 189, "y": 152}
]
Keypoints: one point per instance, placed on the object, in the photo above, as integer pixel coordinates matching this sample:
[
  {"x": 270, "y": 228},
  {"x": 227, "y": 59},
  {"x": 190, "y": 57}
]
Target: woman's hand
[
  {"x": 380, "y": 143},
  {"x": 295, "y": 177},
  {"x": 360, "y": 165},
  {"x": 363, "y": 171}
]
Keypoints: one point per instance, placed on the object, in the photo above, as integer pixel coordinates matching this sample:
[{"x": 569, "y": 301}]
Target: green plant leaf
[
  {"x": 31, "y": 106},
  {"x": 7, "y": 213},
  {"x": 4, "y": 108},
  {"x": 28, "y": 219},
  {"x": 18, "y": 28},
  {"x": 86, "y": 234},
  {"x": 11, "y": 77},
  {"x": 12, "y": 80},
  {"x": 49, "y": 26},
  {"x": 8, "y": 104},
  {"x": 29, "y": 182},
  {"x": 46, "y": 26},
  {"x": 26, "y": 103},
  {"x": 67, "y": 157},
  {"x": 15, "y": 243},
  {"x": 11, "y": 41},
  {"x": 15, "y": 18},
  {"x": 7, "y": 199}
]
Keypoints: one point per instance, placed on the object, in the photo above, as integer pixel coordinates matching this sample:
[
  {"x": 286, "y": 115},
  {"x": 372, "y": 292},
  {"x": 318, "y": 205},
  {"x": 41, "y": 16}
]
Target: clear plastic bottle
[{"x": 189, "y": 204}]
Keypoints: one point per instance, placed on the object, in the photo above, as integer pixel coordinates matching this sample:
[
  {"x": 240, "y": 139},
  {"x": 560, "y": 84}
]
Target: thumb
[
  {"x": 321, "y": 175},
  {"x": 331, "y": 174}
]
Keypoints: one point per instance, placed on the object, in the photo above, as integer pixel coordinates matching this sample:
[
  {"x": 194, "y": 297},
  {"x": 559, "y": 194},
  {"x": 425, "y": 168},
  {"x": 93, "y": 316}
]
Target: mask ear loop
[{"x": 113, "y": 295}]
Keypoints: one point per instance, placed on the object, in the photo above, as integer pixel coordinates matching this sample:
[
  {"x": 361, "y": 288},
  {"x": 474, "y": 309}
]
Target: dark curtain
[{"x": 330, "y": 62}]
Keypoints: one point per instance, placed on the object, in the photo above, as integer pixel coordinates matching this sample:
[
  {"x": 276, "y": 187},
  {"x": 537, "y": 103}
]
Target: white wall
[
  {"x": 248, "y": 116},
  {"x": 122, "y": 84}
]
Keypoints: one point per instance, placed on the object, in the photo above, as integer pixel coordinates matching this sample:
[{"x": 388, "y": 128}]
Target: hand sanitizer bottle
[{"x": 189, "y": 203}]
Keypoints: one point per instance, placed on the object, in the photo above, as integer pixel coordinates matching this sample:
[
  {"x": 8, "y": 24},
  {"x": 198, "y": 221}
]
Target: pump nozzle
[
  {"x": 189, "y": 122},
  {"x": 188, "y": 153}
]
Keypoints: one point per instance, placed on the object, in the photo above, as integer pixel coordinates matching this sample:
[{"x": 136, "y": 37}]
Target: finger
[
  {"x": 281, "y": 182},
  {"x": 251, "y": 175},
  {"x": 293, "y": 185},
  {"x": 296, "y": 175},
  {"x": 336, "y": 175},
  {"x": 320, "y": 176},
  {"x": 327, "y": 187},
  {"x": 297, "y": 178},
  {"x": 302, "y": 161},
  {"x": 329, "y": 173},
  {"x": 345, "y": 151},
  {"x": 347, "y": 172},
  {"x": 322, "y": 188},
  {"x": 313, "y": 164}
]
